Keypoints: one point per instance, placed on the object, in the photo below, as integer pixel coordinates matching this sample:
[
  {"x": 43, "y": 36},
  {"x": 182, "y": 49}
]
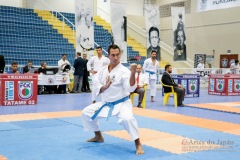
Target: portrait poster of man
[
  {"x": 119, "y": 27},
  {"x": 152, "y": 27},
  {"x": 84, "y": 27},
  {"x": 198, "y": 58},
  {"x": 179, "y": 36}
]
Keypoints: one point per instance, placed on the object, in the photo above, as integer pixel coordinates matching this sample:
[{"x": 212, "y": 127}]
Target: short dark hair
[
  {"x": 167, "y": 66},
  {"x": 14, "y": 63},
  {"x": 29, "y": 61},
  {"x": 84, "y": 54},
  {"x": 64, "y": 54},
  {"x": 236, "y": 61},
  {"x": 79, "y": 53},
  {"x": 113, "y": 46},
  {"x": 153, "y": 29},
  {"x": 99, "y": 47},
  {"x": 43, "y": 63},
  {"x": 153, "y": 51}
]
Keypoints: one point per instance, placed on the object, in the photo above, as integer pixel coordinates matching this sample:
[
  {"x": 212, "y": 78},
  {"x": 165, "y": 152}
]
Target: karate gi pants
[{"x": 123, "y": 111}]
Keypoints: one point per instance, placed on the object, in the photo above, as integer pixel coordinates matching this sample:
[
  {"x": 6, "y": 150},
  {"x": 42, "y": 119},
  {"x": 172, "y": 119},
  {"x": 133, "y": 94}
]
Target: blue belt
[
  {"x": 150, "y": 72},
  {"x": 110, "y": 105}
]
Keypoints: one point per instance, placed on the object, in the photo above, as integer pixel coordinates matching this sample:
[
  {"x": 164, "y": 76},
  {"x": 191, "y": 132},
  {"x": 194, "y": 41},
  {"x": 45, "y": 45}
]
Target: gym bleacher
[{"x": 25, "y": 36}]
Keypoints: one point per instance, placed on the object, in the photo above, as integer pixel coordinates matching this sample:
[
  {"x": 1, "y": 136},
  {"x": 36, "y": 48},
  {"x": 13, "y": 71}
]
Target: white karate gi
[
  {"x": 149, "y": 66},
  {"x": 95, "y": 64},
  {"x": 119, "y": 89}
]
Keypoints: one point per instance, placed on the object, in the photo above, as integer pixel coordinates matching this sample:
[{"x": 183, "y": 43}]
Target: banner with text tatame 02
[
  {"x": 84, "y": 27},
  {"x": 119, "y": 27},
  {"x": 179, "y": 36},
  {"x": 152, "y": 16}
]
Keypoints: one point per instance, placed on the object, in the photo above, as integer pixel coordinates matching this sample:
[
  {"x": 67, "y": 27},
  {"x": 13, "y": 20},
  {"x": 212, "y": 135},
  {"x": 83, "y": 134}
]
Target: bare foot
[
  {"x": 96, "y": 139},
  {"x": 139, "y": 150}
]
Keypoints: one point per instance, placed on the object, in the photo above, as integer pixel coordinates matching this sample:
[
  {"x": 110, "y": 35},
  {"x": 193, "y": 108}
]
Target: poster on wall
[
  {"x": 179, "y": 36},
  {"x": 210, "y": 61},
  {"x": 152, "y": 16},
  {"x": 227, "y": 59},
  {"x": 84, "y": 27},
  {"x": 119, "y": 27},
  {"x": 207, "y": 5},
  {"x": 198, "y": 58}
]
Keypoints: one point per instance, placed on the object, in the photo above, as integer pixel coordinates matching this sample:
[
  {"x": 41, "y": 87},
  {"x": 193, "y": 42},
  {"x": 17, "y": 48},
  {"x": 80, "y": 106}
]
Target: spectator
[
  {"x": 14, "y": 68},
  {"x": 27, "y": 68}
]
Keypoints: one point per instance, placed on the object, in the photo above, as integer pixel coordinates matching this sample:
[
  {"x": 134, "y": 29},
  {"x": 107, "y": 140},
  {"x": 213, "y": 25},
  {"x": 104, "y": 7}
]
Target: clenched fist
[{"x": 133, "y": 67}]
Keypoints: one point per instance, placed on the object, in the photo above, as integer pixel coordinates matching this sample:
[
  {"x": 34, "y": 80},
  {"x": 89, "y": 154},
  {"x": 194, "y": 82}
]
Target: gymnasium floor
[{"x": 207, "y": 129}]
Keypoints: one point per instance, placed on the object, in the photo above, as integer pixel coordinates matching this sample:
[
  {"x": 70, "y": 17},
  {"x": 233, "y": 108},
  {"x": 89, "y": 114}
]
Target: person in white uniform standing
[
  {"x": 94, "y": 64},
  {"x": 114, "y": 83},
  {"x": 150, "y": 67}
]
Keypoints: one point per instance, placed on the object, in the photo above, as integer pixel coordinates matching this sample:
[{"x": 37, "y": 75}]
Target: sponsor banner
[
  {"x": 179, "y": 36},
  {"x": 25, "y": 89},
  {"x": 18, "y": 89},
  {"x": 9, "y": 90},
  {"x": 236, "y": 85},
  {"x": 119, "y": 27},
  {"x": 211, "y": 85},
  {"x": 207, "y": 5},
  {"x": 193, "y": 86},
  {"x": 152, "y": 17},
  {"x": 220, "y": 84},
  {"x": 230, "y": 85},
  {"x": 84, "y": 27}
]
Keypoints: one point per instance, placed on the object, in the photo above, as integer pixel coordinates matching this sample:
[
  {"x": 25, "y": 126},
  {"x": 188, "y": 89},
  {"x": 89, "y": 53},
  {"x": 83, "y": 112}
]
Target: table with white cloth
[{"x": 55, "y": 79}]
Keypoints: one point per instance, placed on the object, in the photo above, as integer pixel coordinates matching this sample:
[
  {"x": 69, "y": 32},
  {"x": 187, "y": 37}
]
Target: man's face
[
  {"x": 139, "y": 68},
  {"x": 153, "y": 55},
  {"x": 180, "y": 37},
  {"x": 99, "y": 51},
  {"x": 64, "y": 57},
  {"x": 44, "y": 65},
  {"x": 14, "y": 67},
  {"x": 29, "y": 64},
  {"x": 84, "y": 56},
  {"x": 169, "y": 70},
  {"x": 114, "y": 56},
  {"x": 154, "y": 39}
]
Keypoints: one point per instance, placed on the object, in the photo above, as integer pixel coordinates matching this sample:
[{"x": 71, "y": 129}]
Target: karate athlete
[
  {"x": 94, "y": 64},
  {"x": 150, "y": 67},
  {"x": 114, "y": 82}
]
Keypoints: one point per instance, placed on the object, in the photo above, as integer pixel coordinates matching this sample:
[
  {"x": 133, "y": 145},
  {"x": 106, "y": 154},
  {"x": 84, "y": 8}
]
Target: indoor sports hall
[{"x": 41, "y": 117}]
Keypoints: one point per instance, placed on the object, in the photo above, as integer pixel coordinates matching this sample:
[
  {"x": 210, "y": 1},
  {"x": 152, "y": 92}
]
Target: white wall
[
  {"x": 13, "y": 3},
  {"x": 55, "y": 5},
  {"x": 134, "y": 7}
]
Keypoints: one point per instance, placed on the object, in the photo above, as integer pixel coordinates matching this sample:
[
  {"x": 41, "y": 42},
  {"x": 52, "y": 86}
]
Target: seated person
[
  {"x": 167, "y": 80},
  {"x": 27, "y": 68},
  {"x": 42, "y": 68},
  {"x": 235, "y": 67},
  {"x": 14, "y": 68},
  {"x": 45, "y": 88},
  {"x": 142, "y": 81}
]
